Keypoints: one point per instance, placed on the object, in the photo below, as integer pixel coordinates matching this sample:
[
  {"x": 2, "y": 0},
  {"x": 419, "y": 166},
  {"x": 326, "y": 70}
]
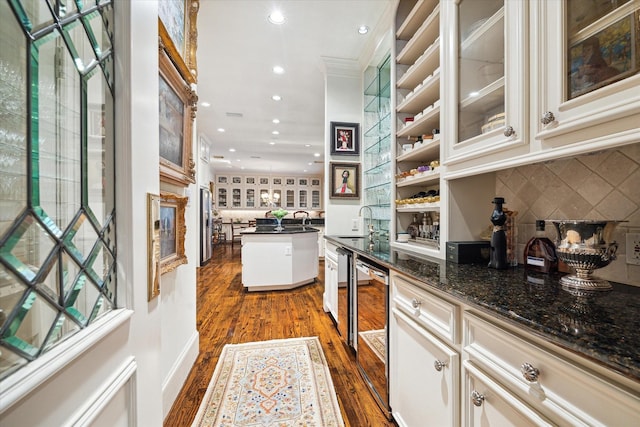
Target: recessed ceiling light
[
  {"x": 220, "y": 129},
  {"x": 205, "y": 104},
  {"x": 474, "y": 94},
  {"x": 307, "y": 145},
  {"x": 316, "y": 154},
  {"x": 304, "y": 170},
  {"x": 276, "y": 17},
  {"x": 233, "y": 150},
  {"x": 275, "y": 132},
  {"x": 276, "y": 121},
  {"x": 310, "y": 163},
  {"x": 276, "y": 97},
  {"x": 278, "y": 69},
  {"x": 272, "y": 143},
  {"x": 237, "y": 160},
  {"x": 363, "y": 29}
]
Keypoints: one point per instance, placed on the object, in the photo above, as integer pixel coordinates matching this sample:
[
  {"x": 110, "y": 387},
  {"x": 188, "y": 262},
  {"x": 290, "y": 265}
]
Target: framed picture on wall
[
  {"x": 345, "y": 180},
  {"x": 345, "y": 139},
  {"x": 177, "y": 22},
  {"x": 172, "y": 231},
  {"x": 176, "y": 120}
]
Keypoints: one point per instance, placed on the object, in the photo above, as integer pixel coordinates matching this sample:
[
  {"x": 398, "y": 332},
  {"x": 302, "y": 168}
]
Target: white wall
[
  {"x": 132, "y": 365},
  {"x": 343, "y": 103}
]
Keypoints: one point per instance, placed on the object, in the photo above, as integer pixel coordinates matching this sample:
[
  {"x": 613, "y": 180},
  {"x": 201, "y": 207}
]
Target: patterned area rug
[
  {"x": 377, "y": 341},
  {"x": 271, "y": 383}
]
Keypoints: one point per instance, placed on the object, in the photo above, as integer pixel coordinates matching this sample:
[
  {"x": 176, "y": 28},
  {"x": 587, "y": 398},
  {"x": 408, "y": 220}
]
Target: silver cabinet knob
[
  {"x": 509, "y": 131},
  {"x": 547, "y": 118},
  {"x": 477, "y": 398},
  {"x": 415, "y": 303},
  {"x": 439, "y": 365},
  {"x": 529, "y": 372}
]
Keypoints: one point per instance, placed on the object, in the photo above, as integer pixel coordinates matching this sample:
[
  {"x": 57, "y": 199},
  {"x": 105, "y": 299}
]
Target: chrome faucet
[{"x": 370, "y": 225}]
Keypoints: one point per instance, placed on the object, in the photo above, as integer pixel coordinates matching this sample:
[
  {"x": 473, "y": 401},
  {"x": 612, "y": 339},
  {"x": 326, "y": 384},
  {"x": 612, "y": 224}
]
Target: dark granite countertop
[
  {"x": 285, "y": 221},
  {"x": 270, "y": 229},
  {"x": 604, "y": 327}
]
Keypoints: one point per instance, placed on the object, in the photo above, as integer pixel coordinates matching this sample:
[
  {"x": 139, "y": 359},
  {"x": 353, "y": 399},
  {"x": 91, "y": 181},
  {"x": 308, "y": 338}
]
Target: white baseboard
[{"x": 174, "y": 381}]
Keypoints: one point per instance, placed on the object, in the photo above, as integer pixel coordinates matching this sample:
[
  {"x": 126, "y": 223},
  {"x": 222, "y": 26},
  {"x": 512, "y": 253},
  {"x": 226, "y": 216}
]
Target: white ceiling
[{"x": 237, "y": 49}]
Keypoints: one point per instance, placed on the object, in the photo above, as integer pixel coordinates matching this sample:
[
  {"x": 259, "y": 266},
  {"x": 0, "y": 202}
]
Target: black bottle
[{"x": 498, "y": 256}]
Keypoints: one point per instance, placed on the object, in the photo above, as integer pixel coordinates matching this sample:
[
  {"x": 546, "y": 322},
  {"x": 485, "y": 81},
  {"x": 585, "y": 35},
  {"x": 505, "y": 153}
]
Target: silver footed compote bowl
[{"x": 585, "y": 245}]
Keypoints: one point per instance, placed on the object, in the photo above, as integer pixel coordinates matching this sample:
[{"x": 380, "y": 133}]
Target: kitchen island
[{"x": 276, "y": 260}]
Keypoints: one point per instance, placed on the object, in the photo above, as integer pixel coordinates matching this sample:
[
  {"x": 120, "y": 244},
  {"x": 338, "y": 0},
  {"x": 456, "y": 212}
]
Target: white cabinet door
[
  {"x": 485, "y": 403},
  {"x": 486, "y": 83},
  {"x": 574, "y": 103},
  {"x": 331, "y": 285},
  {"x": 423, "y": 376}
]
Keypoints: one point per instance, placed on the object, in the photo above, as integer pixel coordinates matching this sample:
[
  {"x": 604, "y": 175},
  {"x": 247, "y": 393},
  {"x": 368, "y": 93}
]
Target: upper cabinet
[
  {"x": 487, "y": 87},
  {"x": 586, "y": 62}
]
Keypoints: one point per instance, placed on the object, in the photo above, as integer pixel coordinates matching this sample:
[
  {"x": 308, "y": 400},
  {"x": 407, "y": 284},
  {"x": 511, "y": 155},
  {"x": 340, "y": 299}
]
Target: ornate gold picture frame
[
  {"x": 173, "y": 230},
  {"x": 177, "y": 113},
  {"x": 177, "y": 28},
  {"x": 153, "y": 246}
]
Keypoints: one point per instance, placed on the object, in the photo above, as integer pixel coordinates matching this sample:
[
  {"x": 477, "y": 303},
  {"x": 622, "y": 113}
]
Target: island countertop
[
  {"x": 604, "y": 328},
  {"x": 270, "y": 229}
]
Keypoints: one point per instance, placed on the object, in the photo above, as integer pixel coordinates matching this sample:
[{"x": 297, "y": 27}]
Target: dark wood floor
[{"x": 227, "y": 314}]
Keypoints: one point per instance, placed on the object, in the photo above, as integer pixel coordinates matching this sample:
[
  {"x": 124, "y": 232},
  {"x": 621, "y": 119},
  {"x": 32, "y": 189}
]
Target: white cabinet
[
  {"x": 424, "y": 376},
  {"x": 578, "y": 99},
  {"x": 561, "y": 390},
  {"x": 424, "y": 364},
  {"x": 451, "y": 365},
  {"x": 330, "y": 297},
  {"x": 321, "y": 241},
  {"x": 251, "y": 192},
  {"x": 485, "y": 96}
]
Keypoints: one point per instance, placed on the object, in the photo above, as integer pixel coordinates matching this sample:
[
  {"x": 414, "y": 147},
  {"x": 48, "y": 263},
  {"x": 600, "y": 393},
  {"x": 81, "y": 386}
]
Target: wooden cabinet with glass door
[
  {"x": 487, "y": 96},
  {"x": 586, "y": 71}
]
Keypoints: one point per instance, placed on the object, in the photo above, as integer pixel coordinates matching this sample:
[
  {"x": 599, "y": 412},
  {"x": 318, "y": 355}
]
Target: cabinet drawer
[
  {"x": 565, "y": 392},
  {"x": 430, "y": 311},
  {"x": 487, "y": 403}
]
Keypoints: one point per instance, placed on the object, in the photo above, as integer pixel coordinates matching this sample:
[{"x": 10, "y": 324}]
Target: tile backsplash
[{"x": 602, "y": 185}]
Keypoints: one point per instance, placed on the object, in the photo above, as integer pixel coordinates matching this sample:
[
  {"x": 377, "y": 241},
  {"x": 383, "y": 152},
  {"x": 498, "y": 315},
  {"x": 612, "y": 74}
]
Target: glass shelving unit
[{"x": 377, "y": 146}]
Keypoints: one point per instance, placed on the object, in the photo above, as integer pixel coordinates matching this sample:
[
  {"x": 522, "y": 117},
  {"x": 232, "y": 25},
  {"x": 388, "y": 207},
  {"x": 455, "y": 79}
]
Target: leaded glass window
[{"x": 57, "y": 201}]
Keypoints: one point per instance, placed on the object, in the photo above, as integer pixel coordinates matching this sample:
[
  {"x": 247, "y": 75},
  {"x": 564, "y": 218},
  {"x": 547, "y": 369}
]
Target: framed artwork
[
  {"x": 290, "y": 181},
  {"x": 345, "y": 180},
  {"x": 315, "y": 182},
  {"x": 264, "y": 181},
  {"x": 345, "y": 139},
  {"x": 223, "y": 179},
  {"x": 236, "y": 180},
  {"x": 250, "y": 180},
  {"x": 603, "y": 58},
  {"x": 153, "y": 246},
  {"x": 277, "y": 181},
  {"x": 177, "y": 28},
  {"x": 172, "y": 231},
  {"x": 177, "y": 113},
  {"x": 302, "y": 181}
]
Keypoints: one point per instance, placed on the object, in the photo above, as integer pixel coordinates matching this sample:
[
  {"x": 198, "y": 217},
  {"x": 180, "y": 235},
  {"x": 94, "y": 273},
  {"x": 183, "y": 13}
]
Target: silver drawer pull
[
  {"x": 509, "y": 131},
  {"x": 439, "y": 365},
  {"x": 415, "y": 303},
  {"x": 547, "y": 118},
  {"x": 529, "y": 372},
  {"x": 477, "y": 398}
]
